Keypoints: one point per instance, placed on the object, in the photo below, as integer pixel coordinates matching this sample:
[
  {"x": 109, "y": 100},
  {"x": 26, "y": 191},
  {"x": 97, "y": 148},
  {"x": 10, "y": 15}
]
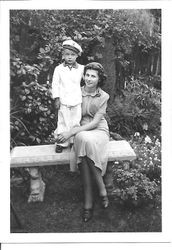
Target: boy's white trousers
[{"x": 68, "y": 117}]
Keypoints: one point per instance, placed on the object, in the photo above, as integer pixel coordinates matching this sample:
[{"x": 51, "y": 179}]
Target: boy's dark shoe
[{"x": 59, "y": 149}]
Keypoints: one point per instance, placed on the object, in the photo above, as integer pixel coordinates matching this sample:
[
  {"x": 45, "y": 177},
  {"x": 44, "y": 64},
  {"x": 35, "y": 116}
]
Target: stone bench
[
  {"x": 44, "y": 155},
  {"x": 33, "y": 157}
]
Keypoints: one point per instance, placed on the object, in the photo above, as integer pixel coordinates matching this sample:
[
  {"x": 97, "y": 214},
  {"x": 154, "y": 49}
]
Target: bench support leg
[
  {"x": 108, "y": 178},
  {"x": 37, "y": 186}
]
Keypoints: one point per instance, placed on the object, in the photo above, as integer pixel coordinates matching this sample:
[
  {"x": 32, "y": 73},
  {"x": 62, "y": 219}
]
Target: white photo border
[{"x": 165, "y": 235}]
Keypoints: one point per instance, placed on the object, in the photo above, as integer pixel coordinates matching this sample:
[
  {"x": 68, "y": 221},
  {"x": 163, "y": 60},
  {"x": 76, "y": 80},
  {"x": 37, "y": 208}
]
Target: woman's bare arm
[{"x": 91, "y": 125}]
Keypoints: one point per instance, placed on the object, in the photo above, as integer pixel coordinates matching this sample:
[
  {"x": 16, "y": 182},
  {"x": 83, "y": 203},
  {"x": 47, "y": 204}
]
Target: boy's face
[{"x": 69, "y": 56}]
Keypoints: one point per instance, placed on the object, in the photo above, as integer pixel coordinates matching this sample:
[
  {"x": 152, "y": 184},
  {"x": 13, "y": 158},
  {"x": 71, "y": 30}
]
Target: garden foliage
[
  {"x": 36, "y": 38},
  {"x": 34, "y": 118},
  {"x": 139, "y": 181},
  {"x": 137, "y": 109}
]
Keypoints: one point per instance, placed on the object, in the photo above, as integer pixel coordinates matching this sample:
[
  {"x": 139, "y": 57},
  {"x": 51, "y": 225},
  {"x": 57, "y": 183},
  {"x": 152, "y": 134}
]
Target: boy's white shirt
[{"x": 66, "y": 84}]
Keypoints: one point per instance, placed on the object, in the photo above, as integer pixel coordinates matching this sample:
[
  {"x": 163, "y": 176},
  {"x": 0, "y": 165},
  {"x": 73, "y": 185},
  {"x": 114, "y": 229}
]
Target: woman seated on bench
[{"x": 91, "y": 137}]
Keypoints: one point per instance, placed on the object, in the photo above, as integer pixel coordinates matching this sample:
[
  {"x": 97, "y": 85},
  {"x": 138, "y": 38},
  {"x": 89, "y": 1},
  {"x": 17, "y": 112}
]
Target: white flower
[
  {"x": 151, "y": 163},
  {"x": 157, "y": 142},
  {"x": 145, "y": 126},
  {"x": 148, "y": 139},
  {"x": 116, "y": 162}
]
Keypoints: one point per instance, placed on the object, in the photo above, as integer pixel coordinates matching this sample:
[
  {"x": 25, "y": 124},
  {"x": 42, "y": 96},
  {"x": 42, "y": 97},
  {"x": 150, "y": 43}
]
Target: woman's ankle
[
  {"x": 88, "y": 205},
  {"x": 103, "y": 193}
]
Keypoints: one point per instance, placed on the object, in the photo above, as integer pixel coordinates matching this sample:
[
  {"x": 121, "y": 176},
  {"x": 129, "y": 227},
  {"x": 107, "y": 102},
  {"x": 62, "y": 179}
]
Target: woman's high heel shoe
[
  {"x": 87, "y": 214},
  {"x": 104, "y": 201}
]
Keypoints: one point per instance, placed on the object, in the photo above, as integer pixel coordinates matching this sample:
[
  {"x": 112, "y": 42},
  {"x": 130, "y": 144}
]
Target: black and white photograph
[{"x": 85, "y": 122}]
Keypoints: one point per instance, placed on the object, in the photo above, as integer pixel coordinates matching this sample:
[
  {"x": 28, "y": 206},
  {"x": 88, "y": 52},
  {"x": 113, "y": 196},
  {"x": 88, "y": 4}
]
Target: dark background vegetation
[{"x": 128, "y": 44}]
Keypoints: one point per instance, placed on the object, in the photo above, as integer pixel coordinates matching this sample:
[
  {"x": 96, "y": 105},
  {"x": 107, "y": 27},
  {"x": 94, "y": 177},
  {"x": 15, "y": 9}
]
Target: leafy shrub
[
  {"x": 134, "y": 187},
  {"x": 139, "y": 182},
  {"x": 152, "y": 81},
  {"x": 139, "y": 105},
  {"x": 148, "y": 160},
  {"x": 37, "y": 117}
]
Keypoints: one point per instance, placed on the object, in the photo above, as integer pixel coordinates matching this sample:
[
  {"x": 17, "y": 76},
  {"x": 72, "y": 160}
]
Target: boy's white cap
[{"x": 72, "y": 45}]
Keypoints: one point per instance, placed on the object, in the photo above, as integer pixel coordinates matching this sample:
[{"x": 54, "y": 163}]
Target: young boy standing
[{"x": 66, "y": 91}]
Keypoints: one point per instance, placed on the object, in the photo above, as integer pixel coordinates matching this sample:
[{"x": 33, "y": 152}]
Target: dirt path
[{"x": 62, "y": 209}]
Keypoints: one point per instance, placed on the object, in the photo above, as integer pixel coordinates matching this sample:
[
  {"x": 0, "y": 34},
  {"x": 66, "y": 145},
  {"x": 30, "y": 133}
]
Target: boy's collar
[{"x": 74, "y": 65}]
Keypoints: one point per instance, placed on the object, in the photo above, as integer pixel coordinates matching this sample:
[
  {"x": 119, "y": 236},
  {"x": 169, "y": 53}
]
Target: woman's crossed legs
[{"x": 88, "y": 170}]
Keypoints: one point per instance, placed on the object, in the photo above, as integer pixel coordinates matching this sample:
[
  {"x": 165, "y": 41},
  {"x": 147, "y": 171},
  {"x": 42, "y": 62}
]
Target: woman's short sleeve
[{"x": 103, "y": 104}]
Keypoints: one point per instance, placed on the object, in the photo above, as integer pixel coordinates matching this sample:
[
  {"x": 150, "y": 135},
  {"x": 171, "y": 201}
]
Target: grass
[{"x": 61, "y": 210}]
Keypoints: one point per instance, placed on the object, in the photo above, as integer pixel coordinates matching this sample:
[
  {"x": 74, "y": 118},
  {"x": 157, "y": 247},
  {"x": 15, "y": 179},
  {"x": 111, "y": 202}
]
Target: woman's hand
[{"x": 63, "y": 137}]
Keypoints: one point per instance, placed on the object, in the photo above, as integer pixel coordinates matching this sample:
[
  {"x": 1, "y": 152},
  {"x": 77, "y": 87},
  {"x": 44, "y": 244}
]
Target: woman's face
[{"x": 91, "y": 78}]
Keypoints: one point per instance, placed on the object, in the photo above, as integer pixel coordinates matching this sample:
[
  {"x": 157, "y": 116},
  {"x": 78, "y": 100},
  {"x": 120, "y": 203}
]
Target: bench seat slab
[{"x": 44, "y": 155}]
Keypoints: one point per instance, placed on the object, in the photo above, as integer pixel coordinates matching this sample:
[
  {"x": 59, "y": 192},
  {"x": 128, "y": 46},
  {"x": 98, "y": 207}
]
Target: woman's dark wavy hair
[{"x": 99, "y": 68}]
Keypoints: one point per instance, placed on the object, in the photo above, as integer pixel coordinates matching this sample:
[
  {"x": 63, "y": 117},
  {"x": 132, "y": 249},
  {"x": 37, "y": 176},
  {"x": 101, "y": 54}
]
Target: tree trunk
[
  {"x": 108, "y": 61},
  {"x": 152, "y": 64},
  {"x": 157, "y": 72}
]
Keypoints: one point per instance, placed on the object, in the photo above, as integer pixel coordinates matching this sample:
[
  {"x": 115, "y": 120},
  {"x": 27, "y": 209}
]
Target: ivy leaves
[{"x": 37, "y": 113}]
